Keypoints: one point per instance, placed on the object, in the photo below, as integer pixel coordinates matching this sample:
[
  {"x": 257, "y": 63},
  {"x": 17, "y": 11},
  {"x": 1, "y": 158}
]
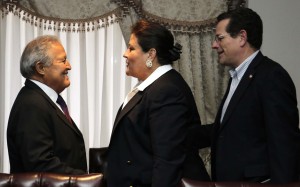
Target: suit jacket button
[{"x": 128, "y": 162}]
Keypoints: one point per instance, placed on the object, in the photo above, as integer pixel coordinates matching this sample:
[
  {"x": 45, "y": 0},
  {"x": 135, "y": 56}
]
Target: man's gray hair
[{"x": 37, "y": 51}]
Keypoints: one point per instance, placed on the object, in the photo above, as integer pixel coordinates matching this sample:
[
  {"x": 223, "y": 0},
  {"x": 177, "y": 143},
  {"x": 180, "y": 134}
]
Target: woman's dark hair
[
  {"x": 244, "y": 19},
  {"x": 153, "y": 35}
]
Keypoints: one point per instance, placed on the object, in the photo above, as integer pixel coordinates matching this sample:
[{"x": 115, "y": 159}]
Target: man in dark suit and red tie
[
  {"x": 41, "y": 135},
  {"x": 255, "y": 134}
]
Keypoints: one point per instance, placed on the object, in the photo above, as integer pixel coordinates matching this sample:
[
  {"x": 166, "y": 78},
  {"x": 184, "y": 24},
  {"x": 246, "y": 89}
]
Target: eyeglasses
[{"x": 219, "y": 38}]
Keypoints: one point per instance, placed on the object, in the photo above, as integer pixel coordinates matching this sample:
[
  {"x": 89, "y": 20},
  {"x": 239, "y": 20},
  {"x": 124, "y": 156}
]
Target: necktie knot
[{"x": 61, "y": 102}]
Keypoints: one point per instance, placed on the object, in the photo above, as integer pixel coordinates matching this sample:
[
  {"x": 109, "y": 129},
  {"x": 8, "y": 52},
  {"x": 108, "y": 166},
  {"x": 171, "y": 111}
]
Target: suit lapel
[
  {"x": 219, "y": 113},
  {"x": 135, "y": 99},
  {"x": 242, "y": 87},
  {"x": 60, "y": 114},
  {"x": 73, "y": 126}
]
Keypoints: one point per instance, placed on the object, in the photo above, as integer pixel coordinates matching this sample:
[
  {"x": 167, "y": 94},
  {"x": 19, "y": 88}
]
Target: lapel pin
[{"x": 250, "y": 76}]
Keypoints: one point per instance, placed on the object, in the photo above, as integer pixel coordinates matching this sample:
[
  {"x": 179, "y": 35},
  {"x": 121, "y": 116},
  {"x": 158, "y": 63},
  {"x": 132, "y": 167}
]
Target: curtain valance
[
  {"x": 189, "y": 16},
  {"x": 68, "y": 16}
]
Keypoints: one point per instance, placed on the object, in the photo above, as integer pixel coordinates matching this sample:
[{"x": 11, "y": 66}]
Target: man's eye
[{"x": 219, "y": 38}]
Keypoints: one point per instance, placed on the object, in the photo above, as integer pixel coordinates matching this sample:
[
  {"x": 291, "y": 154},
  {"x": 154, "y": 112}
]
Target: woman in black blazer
[{"x": 149, "y": 145}]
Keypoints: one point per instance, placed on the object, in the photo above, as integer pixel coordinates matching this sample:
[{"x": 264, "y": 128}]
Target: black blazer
[
  {"x": 40, "y": 138},
  {"x": 148, "y": 145},
  {"x": 259, "y": 134}
]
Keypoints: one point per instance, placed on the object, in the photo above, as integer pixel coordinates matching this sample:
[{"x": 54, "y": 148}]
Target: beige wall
[{"x": 281, "y": 19}]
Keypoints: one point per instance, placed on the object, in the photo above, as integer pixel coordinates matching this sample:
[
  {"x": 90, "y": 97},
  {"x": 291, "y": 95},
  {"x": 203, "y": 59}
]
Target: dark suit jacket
[
  {"x": 259, "y": 134},
  {"x": 148, "y": 145},
  {"x": 40, "y": 138}
]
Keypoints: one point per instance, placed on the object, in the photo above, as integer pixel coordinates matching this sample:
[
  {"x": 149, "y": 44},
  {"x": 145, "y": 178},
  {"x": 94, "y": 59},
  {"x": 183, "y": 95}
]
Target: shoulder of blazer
[
  {"x": 170, "y": 78},
  {"x": 29, "y": 84},
  {"x": 263, "y": 62}
]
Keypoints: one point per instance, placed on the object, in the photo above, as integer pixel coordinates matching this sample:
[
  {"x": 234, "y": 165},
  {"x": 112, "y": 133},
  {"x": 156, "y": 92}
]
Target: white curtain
[{"x": 98, "y": 80}]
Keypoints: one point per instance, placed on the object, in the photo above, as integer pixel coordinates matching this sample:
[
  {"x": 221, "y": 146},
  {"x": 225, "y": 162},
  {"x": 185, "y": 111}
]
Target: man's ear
[
  {"x": 244, "y": 37},
  {"x": 39, "y": 68}
]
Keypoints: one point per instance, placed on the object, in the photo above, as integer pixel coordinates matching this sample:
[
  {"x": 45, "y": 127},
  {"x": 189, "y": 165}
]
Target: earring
[{"x": 149, "y": 63}]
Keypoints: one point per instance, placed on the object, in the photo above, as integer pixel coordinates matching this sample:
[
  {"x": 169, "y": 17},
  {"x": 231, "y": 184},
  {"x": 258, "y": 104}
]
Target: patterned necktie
[{"x": 64, "y": 107}]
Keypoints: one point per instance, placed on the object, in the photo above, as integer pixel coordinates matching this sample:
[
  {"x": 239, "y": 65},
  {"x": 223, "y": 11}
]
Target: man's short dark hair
[{"x": 244, "y": 19}]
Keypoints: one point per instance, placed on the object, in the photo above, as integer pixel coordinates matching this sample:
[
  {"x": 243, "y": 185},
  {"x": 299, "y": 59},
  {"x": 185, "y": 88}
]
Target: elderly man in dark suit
[
  {"x": 256, "y": 133},
  {"x": 41, "y": 135}
]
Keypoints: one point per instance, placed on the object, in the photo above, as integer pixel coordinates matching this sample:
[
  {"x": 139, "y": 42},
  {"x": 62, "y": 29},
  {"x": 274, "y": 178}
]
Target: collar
[
  {"x": 154, "y": 76},
  {"x": 241, "y": 69},
  {"x": 49, "y": 91}
]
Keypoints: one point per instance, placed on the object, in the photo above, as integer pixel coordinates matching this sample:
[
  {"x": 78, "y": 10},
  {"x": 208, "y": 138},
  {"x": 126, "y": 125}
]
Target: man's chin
[
  {"x": 128, "y": 72},
  {"x": 221, "y": 62}
]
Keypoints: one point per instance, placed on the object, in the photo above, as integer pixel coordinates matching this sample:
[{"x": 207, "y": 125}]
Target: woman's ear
[
  {"x": 39, "y": 68},
  {"x": 152, "y": 53}
]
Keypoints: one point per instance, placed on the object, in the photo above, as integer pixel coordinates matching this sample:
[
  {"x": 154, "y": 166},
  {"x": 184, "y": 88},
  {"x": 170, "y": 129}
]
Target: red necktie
[{"x": 64, "y": 107}]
